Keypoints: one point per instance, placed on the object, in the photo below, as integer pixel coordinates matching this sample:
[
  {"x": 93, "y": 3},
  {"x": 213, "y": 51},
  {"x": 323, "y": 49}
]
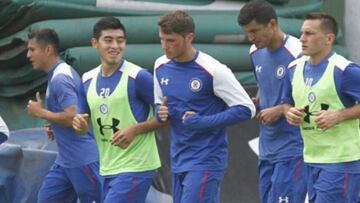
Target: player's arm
[
  {"x": 240, "y": 107},
  {"x": 160, "y": 101},
  {"x": 292, "y": 114},
  {"x": 327, "y": 119},
  {"x": 81, "y": 121},
  {"x": 272, "y": 114},
  {"x": 144, "y": 91},
  {"x": 66, "y": 95},
  {"x": 349, "y": 87},
  {"x": 256, "y": 98},
  {"x": 4, "y": 131},
  {"x": 36, "y": 109}
]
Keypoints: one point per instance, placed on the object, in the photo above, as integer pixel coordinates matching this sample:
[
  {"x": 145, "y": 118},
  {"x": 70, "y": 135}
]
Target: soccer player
[
  {"x": 119, "y": 97},
  {"x": 75, "y": 171},
  {"x": 4, "y": 131},
  {"x": 200, "y": 96},
  {"x": 324, "y": 89},
  {"x": 282, "y": 174}
]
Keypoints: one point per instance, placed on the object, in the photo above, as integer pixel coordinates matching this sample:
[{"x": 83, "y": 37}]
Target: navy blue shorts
[
  {"x": 325, "y": 186},
  {"x": 128, "y": 187},
  {"x": 283, "y": 181},
  {"x": 197, "y": 186},
  {"x": 67, "y": 184}
]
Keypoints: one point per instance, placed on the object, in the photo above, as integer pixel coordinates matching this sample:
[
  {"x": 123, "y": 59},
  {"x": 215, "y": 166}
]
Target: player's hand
[
  {"x": 35, "y": 108},
  {"x": 326, "y": 119},
  {"x": 269, "y": 115},
  {"x": 294, "y": 116},
  {"x": 123, "y": 137},
  {"x": 49, "y": 131},
  {"x": 163, "y": 111},
  {"x": 187, "y": 114},
  {"x": 80, "y": 123}
]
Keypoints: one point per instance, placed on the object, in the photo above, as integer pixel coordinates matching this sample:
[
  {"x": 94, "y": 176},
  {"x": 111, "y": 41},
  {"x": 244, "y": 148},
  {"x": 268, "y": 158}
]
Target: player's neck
[
  {"x": 315, "y": 59},
  {"x": 108, "y": 69},
  {"x": 277, "y": 40},
  {"x": 51, "y": 62},
  {"x": 188, "y": 55}
]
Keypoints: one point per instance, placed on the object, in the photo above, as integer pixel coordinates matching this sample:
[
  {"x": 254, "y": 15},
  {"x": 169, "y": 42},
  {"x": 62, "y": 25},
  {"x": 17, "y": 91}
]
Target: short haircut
[
  {"x": 259, "y": 10},
  {"x": 107, "y": 23},
  {"x": 327, "y": 22},
  {"x": 46, "y": 37},
  {"x": 177, "y": 22}
]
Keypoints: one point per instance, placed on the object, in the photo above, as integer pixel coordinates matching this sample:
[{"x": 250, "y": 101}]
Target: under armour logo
[
  {"x": 164, "y": 81},
  {"x": 283, "y": 200},
  {"x": 258, "y": 68},
  {"x": 115, "y": 122},
  {"x": 308, "y": 114}
]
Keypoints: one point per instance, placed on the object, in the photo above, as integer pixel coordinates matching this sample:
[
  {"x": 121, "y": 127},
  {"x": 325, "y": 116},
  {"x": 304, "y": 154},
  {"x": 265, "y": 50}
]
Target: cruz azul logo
[
  {"x": 280, "y": 72},
  {"x": 195, "y": 84},
  {"x": 104, "y": 109},
  {"x": 311, "y": 97}
]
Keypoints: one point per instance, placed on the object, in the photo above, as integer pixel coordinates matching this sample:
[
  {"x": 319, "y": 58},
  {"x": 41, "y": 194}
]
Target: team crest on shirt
[
  {"x": 311, "y": 97},
  {"x": 280, "y": 71},
  {"x": 104, "y": 109},
  {"x": 195, "y": 84}
]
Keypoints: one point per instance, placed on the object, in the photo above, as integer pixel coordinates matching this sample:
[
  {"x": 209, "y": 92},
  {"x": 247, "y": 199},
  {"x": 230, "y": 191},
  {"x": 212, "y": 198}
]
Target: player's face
[
  {"x": 259, "y": 34},
  {"x": 37, "y": 54},
  {"x": 175, "y": 45},
  {"x": 314, "y": 40},
  {"x": 111, "y": 46}
]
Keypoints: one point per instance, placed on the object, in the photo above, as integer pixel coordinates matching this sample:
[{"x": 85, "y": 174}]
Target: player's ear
[
  {"x": 190, "y": 37},
  {"x": 49, "y": 49},
  {"x": 94, "y": 42},
  {"x": 272, "y": 23},
  {"x": 330, "y": 38}
]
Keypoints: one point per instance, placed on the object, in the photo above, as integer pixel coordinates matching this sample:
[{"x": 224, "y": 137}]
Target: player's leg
[
  {"x": 129, "y": 187},
  {"x": 87, "y": 182},
  {"x": 354, "y": 188},
  {"x": 336, "y": 187},
  {"x": 313, "y": 176},
  {"x": 202, "y": 186},
  {"x": 265, "y": 169},
  {"x": 177, "y": 189},
  {"x": 288, "y": 182},
  {"x": 56, "y": 187}
]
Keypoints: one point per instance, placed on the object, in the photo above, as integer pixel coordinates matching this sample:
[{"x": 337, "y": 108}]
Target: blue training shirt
[
  {"x": 279, "y": 140},
  {"x": 207, "y": 87},
  {"x": 140, "y": 91},
  {"x": 64, "y": 85},
  {"x": 347, "y": 82}
]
